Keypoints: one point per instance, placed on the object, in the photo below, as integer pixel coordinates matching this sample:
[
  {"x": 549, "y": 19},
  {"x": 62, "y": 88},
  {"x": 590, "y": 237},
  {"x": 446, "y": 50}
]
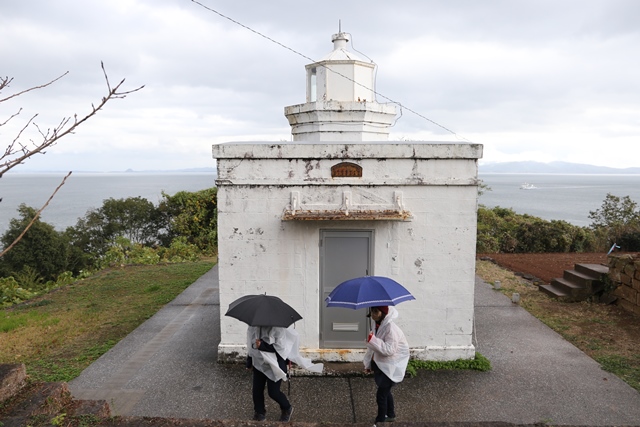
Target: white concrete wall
[
  {"x": 433, "y": 254},
  {"x": 336, "y": 80},
  {"x": 332, "y": 120}
]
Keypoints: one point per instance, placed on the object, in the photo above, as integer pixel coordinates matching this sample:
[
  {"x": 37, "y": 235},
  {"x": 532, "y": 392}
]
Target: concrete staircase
[
  {"x": 584, "y": 281},
  {"x": 25, "y": 404}
]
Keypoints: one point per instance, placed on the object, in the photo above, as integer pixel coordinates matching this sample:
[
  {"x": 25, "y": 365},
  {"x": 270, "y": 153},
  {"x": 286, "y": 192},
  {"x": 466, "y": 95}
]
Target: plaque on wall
[{"x": 346, "y": 170}]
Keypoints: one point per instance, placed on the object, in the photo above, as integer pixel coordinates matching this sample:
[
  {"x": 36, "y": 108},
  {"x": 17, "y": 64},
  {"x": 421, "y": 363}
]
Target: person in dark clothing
[{"x": 265, "y": 345}]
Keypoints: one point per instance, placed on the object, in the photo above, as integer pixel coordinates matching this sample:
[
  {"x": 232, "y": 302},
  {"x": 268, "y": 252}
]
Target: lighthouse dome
[{"x": 340, "y": 51}]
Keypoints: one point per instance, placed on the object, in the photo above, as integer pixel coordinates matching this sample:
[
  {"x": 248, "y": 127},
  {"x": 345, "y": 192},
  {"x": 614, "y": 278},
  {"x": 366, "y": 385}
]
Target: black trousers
[
  {"x": 384, "y": 398},
  {"x": 273, "y": 388}
]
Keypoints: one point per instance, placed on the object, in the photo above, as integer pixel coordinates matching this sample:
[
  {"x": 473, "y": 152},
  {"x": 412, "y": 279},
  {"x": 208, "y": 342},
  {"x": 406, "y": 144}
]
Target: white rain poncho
[
  {"x": 389, "y": 348},
  {"x": 286, "y": 342}
]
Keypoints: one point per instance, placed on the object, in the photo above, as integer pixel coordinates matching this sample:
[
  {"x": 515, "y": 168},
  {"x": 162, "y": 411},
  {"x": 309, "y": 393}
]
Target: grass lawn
[{"x": 59, "y": 334}]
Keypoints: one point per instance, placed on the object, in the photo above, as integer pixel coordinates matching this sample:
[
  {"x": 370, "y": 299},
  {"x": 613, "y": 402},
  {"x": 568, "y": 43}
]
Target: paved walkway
[{"x": 167, "y": 368}]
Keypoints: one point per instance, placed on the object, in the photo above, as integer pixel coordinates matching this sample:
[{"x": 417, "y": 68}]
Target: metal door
[{"x": 344, "y": 255}]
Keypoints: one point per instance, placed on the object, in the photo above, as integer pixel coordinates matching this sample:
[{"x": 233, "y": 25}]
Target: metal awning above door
[{"x": 347, "y": 211}]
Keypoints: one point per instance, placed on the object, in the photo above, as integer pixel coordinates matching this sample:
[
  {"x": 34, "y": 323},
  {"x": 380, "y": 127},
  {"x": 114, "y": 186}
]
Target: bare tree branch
[
  {"x": 36, "y": 216},
  {"x": 4, "y": 82},
  {"x": 17, "y": 152}
]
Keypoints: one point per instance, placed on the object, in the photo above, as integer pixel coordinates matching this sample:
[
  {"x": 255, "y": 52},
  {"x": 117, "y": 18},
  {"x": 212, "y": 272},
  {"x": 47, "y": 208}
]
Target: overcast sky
[{"x": 530, "y": 80}]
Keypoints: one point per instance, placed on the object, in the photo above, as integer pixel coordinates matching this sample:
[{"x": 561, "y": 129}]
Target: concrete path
[{"x": 167, "y": 368}]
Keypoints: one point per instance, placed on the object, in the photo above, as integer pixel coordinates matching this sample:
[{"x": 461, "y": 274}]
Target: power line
[{"x": 336, "y": 72}]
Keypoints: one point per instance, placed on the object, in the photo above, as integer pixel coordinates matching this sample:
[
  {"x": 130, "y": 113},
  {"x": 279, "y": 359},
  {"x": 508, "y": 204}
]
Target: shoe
[
  {"x": 259, "y": 417},
  {"x": 286, "y": 414},
  {"x": 389, "y": 419}
]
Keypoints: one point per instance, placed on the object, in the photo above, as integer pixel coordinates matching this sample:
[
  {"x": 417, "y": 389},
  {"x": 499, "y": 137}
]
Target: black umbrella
[{"x": 263, "y": 310}]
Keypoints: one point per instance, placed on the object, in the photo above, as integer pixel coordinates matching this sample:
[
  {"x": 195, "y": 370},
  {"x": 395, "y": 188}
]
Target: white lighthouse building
[{"x": 297, "y": 218}]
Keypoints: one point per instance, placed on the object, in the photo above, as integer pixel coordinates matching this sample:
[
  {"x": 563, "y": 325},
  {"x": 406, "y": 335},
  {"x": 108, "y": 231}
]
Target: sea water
[
  {"x": 555, "y": 197},
  {"x": 86, "y": 191}
]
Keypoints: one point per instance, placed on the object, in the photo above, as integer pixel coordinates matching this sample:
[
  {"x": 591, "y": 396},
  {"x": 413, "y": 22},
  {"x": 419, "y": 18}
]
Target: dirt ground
[{"x": 546, "y": 266}]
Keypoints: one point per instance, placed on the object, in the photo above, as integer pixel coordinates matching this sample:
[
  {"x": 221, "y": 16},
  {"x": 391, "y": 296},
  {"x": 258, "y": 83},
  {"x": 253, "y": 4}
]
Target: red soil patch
[{"x": 546, "y": 266}]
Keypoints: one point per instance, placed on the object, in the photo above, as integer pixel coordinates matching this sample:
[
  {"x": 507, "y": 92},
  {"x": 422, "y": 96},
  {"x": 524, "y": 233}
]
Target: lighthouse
[
  {"x": 340, "y": 201},
  {"x": 341, "y": 103}
]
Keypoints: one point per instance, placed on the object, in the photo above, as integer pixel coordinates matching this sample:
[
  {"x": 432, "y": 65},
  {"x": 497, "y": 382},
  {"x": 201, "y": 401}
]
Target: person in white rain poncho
[
  {"x": 387, "y": 356},
  {"x": 269, "y": 348}
]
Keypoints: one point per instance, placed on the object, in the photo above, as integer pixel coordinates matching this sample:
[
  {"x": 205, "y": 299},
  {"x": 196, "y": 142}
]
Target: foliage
[
  {"x": 496, "y": 230},
  {"x": 135, "y": 219},
  {"x": 617, "y": 221},
  {"x": 124, "y": 252},
  {"x": 502, "y": 230},
  {"x": 537, "y": 235},
  {"x": 192, "y": 215},
  {"x": 180, "y": 250},
  {"x": 12, "y": 293},
  {"x": 478, "y": 363},
  {"x": 42, "y": 249},
  {"x": 630, "y": 241},
  {"x": 124, "y": 231},
  {"x": 615, "y": 211}
]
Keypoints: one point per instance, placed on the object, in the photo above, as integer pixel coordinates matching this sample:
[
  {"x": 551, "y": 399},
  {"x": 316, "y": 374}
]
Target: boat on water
[{"x": 527, "y": 186}]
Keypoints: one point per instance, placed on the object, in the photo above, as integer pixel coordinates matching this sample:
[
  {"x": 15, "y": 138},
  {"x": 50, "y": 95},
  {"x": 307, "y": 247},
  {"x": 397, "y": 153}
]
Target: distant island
[{"x": 554, "y": 167}]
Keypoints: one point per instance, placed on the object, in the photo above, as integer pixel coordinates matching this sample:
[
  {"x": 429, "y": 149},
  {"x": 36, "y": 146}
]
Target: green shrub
[
  {"x": 123, "y": 252},
  {"x": 478, "y": 363},
  {"x": 12, "y": 293},
  {"x": 502, "y": 230},
  {"x": 617, "y": 220},
  {"x": 42, "y": 248},
  {"x": 191, "y": 215},
  {"x": 180, "y": 250},
  {"x": 630, "y": 241},
  {"x": 28, "y": 278}
]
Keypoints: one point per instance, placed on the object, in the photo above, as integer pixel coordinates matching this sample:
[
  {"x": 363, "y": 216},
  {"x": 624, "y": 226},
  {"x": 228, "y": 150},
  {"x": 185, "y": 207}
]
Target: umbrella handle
[{"x": 289, "y": 377}]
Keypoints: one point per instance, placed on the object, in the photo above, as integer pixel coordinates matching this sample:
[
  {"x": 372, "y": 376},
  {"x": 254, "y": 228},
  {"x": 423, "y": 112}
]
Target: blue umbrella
[{"x": 368, "y": 291}]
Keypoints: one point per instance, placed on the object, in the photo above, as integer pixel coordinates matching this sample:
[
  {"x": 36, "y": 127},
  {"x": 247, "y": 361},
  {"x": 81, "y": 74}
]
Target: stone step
[
  {"x": 95, "y": 408},
  {"x": 22, "y": 403},
  {"x": 45, "y": 402},
  {"x": 596, "y": 270},
  {"x": 569, "y": 287},
  {"x": 554, "y": 291},
  {"x": 578, "y": 284},
  {"x": 13, "y": 378},
  {"x": 587, "y": 281}
]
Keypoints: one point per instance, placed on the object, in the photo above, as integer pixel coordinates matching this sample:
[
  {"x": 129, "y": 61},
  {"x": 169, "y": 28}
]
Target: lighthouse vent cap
[{"x": 340, "y": 40}]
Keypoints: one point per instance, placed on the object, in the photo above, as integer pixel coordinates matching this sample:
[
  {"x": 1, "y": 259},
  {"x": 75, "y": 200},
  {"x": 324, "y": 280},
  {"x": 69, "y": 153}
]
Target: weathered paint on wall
[{"x": 432, "y": 253}]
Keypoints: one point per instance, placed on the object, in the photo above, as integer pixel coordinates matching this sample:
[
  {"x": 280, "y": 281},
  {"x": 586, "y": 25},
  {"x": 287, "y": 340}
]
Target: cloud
[{"x": 531, "y": 80}]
